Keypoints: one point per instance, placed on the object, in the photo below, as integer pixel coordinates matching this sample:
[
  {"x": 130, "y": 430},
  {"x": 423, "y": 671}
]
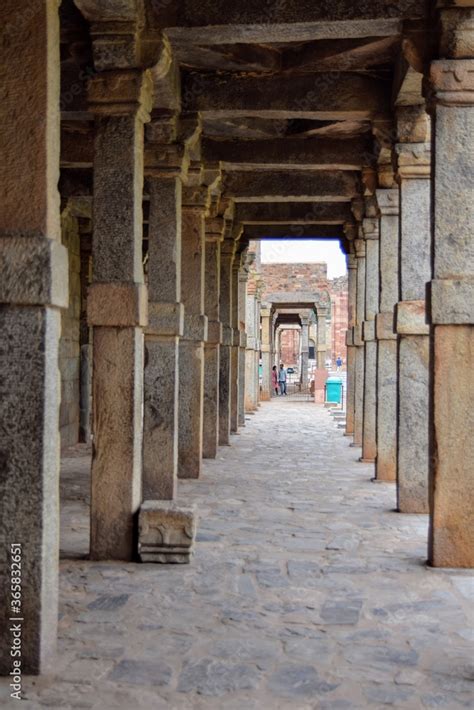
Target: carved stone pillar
[
  {"x": 414, "y": 342},
  {"x": 117, "y": 309},
  {"x": 304, "y": 317},
  {"x": 451, "y": 538},
  {"x": 191, "y": 349},
  {"x": 225, "y": 360},
  {"x": 33, "y": 289},
  {"x": 359, "y": 245},
  {"x": 370, "y": 228},
  {"x": 214, "y": 237},
  {"x": 351, "y": 349},
  {"x": 166, "y": 314},
  {"x": 386, "y": 465},
  {"x": 322, "y": 342},
  {"x": 243, "y": 279},
  {"x": 267, "y": 361},
  {"x": 251, "y": 367},
  {"x": 234, "y": 353}
]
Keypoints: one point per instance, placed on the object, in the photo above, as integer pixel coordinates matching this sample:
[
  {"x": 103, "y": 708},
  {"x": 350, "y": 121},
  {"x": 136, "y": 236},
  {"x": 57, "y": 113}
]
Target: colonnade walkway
[{"x": 307, "y": 590}]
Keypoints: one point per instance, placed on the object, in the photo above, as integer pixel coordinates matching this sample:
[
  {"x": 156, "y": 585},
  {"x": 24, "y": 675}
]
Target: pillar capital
[
  {"x": 370, "y": 228},
  {"x": 413, "y": 160},
  {"x": 196, "y": 198},
  {"x": 214, "y": 229},
  {"x": 124, "y": 92},
  {"x": 359, "y": 245},
  {"x": 358, "y": 208},
  {"x": 351, "y": 261},
  {"x": 163, "y": 160},
  {"x": 388, "y": 201},
  {"x": 457, "y": 28},
  {"x": 413, "y": 124},
  {"x": 452, "y": 82}
]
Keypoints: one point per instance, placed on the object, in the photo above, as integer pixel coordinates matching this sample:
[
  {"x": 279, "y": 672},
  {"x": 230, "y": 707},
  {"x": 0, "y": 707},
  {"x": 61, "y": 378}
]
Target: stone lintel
[
  {"x": 410, "y": 318},
  {"x": 166, "y": 532},
  {"x": 227, "y": 335},
  {"x": 370, "y": 228},
  {"x": 195, "y": 327},
  {"x": 293, "y": 231},
  {"x": 122, "y": 93},
  {"x": 384, "y": 324},
  {"x": 357, "y": 336},
  {"x": 34, "y": 272},
  {"x": 368, "y": 330},
  {"x": 214, "y": 332},
  {"x": 452, "y": 301},
  {"x": 414, "y": 160},
  {"x": 293, "y": 213},
  {"x": 452, "y": 81},
  {"x": 165, "y": 319},
  {"x": 303, "y": 185},
  {"x": 117, "y": 304},
  {"x": 388, "y": 201},
  {"x": 350, "y": 337}
]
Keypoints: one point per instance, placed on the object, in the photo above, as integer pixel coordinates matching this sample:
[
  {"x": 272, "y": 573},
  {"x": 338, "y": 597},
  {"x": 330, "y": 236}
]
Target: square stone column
[
  {"x": 251, "y": 370},
  {"x": 191, "y": 348},
  {"x": 370, "y": 229},
  {"x": 451, "y": 537},
  {"x": 117, "y": 309},
  {"x": 359, "y": 245},
  {"x": 33, "y": 289},
  {"x": 214, "y": 237},
  {"x": 351, "y": 350},
  {"x": 225, "y": 360},
  {"x": 267, "y": 347},
  {"x": 322, "y": 342},
  {"x": 387, "y": 347},
  {"x": 166, "y": 322},
  {"x": 304, "y": 318},
  {"x": 243, "y": 280},
  {"x": 234, "y": 353},
  {"x": 414, "y": 173}
]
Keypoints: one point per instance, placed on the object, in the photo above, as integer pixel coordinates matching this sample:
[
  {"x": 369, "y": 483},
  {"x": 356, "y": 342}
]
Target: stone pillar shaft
[
  {"x": 451, "y": 537},
  {"x": 33, "y": 287},
  {"x": 243, "y": 279},
  {"x": 212, "y": 346},
  {"x": 351, "y": 350},
  {"x": 117, "y": 310},
  {"x": 369, "y": 434},
  {"x": 304, "y": 351},
  {"x": 225, "y": 361},
  {"x": 414, "y": 343},
  {"x": 161, "y": 382},
  {"x": 358, "y": 342},
  {"x": 267, "y": 362},
  {"x": 386, "y": 465},
  {"x": 234, "y": 353},
  {"x": 191, "y": 353}
]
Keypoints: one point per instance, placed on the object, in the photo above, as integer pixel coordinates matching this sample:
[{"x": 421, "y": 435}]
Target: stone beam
[
  {"x": 293, "y": 213},
  {"x": 325, "y": 96},
  {"x": 294, "y": 153},
  {"x": 345, "y": 54},
  {"x": 292, "y": 231},
  {"x": 281, "y": 186}
]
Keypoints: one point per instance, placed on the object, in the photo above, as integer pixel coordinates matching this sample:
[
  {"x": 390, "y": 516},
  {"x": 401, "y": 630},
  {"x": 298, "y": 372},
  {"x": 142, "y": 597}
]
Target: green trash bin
[{"x": 334, "y": 390}]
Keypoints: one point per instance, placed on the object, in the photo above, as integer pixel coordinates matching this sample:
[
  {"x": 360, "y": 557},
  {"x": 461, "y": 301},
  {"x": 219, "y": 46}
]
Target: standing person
[
  {"x": 275, "y": 379},
  {"x": 282, "y": 379},
  {"x": 339, "y": 363}
]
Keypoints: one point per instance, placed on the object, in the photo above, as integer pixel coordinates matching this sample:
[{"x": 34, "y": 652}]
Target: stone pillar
[
  {"x": 351, "y": 349},
  {"x": 251, "y": 364},
  {"x": 414, "y": 342},
  {"x": 166, "y": 314},
  {"x": 243, "y": 279},
  {"x": 214, "y": 236},
  {"x": 33, "y": 287},
  {"x": 234, "y": 353},
  {"x": 370, "y": 228},
  {"x": 225, "y": 364},
  {"x": 386, "y": 465},
  {"x": 267, "y": 361},
  {"x": 304, "y": 350},
  {"x": 191, "y": 348},
  {"x": 117, "y": 310},
  {"x": 451, "y": 537},
  {"x": 321, "y": 344},
  {"x": 359, "y": 245}
]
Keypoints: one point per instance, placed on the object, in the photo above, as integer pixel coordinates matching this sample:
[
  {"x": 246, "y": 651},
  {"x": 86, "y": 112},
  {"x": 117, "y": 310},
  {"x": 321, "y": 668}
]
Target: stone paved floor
[{"x": 306, "y": 591}]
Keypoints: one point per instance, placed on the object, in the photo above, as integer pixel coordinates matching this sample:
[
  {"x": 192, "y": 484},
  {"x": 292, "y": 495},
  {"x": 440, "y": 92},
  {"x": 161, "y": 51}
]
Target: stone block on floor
[{"x": 166, "y": 532}]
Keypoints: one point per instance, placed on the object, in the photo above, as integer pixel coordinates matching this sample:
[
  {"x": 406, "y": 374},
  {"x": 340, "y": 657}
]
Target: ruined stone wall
[
  {"x": 290, "y": 347},
  {"x": 293, "y": 277},
  {"x": 69, "y": 350}
]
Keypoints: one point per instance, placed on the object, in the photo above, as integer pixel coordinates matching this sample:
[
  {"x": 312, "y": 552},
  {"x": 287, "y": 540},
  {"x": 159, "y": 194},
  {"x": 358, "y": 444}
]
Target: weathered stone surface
[
  {"x": 293, "y": 231},
  {"x": 386, "y": 465},
  {"x": 117, "y": 454},
  {"x": 274, "y": 186},
  {"x": 452, "y": 301},
  {"x": 211, "y": 400},
  {"x": 369, "y": 444},
  {"x": 292, "y": 213},
  {"x": 410, "y": 318},
  {"x": 413, "y": 424},
  {"x": 451, "y": 534},
  {"x": 166, "y": 532},
  {"x": 117, "y": 304},
  {"x": 191, "y": 403}
]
